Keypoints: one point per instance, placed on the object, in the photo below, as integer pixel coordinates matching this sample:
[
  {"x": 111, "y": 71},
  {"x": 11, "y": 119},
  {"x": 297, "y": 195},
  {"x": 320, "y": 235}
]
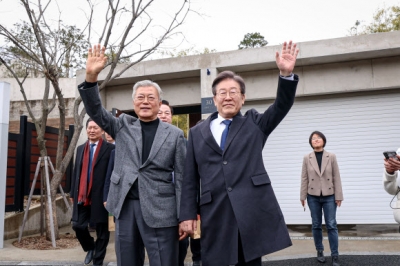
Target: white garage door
[{"x": 358, "y": 128}]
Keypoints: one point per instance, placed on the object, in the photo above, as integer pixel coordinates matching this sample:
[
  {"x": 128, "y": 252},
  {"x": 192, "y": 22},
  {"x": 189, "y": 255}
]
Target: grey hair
[{"x": 147, "y": 83}]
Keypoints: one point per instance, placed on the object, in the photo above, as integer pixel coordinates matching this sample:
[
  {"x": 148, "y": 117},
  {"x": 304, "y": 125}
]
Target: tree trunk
[
  {"x": 43, "y": 153},
  {"x": 55, "y": 223}
]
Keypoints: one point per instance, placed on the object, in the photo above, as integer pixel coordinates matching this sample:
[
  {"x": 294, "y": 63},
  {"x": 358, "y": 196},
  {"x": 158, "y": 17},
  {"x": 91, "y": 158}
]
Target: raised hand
[
  {"x": 95, "y": 62},
  {"x": 287, "y": 59}
]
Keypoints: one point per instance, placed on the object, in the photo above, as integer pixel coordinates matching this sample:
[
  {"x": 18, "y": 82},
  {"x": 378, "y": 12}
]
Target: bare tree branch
[
  {"x": 175, "y": 23},
  {"x": 112, "y": 20},
  {"x": 20, "y": 44},
  {"x": 21, "y": 87}
]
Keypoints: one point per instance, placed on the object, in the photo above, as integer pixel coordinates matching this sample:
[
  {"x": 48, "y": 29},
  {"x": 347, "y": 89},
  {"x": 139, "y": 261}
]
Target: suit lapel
[
  {"x": 136, "y": 132},
  {"x": 160, "y": 137},
  {"x": 325, "y": 161},
  {"x": 234, "y": 128},
  {"x": 314, "y": 163},
  {"x": 102, "y": 150},
  {"x": 79, "y": 157},
  {"x": 207, "y": 135}
]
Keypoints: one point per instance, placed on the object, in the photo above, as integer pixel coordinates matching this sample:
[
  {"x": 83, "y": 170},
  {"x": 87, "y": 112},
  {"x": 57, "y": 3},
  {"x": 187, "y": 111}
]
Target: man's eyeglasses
[
  {"x": 142, "y": 98},
  {"x": 223, "y": 94},
  {"x": 316, "y": 138}
]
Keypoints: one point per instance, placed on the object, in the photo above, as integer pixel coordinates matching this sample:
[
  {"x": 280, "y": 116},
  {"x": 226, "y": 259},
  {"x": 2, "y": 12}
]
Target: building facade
[{"x": 348, "y": 89}]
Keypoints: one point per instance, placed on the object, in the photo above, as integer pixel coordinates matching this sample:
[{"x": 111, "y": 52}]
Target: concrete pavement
[{"x": 356, "y": 244}]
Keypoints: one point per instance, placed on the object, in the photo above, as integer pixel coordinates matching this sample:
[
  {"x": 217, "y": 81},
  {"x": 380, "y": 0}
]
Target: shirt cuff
[
  {"x": 291, "y": 77},
  {"x": 86, "y": 85}
]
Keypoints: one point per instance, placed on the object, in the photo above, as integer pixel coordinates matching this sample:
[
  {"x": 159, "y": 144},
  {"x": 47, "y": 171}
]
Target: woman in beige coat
[{"x": 322, "y": 188}]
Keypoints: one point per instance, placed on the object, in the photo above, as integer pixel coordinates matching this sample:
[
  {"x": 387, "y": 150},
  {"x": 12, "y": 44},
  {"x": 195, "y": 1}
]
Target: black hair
[
  {"x": 165, "y": 102},
  {"x": 87, "y": 122},
  {"x": 228, "y": 75}
]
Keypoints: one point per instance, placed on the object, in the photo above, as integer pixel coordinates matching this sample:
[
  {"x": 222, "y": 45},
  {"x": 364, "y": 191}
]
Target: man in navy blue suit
[{"x": 240, "y": 217}]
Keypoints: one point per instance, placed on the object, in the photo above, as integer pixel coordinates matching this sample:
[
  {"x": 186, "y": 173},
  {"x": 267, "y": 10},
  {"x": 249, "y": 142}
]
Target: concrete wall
[
  {"x": 34, "y": 88},
  {"x": 32, "y": 225},
  {"x": 342, "y": 65},
  {"x": 18, "y": 108}
]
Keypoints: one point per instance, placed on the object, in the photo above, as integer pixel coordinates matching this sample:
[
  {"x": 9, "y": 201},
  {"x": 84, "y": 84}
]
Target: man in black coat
[
  {"x": 240, "y": 217},
  {"x": 87, "y": 187}
]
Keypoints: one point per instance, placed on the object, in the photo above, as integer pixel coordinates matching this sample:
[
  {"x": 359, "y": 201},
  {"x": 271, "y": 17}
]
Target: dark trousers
[
  {"x": 195, "y": 248},
  {"x": 242, "y": 262},
  {"x": 86, "y": 240},
  {"x": 133, "y": 234},
  {"x": 183, "y": 247}
]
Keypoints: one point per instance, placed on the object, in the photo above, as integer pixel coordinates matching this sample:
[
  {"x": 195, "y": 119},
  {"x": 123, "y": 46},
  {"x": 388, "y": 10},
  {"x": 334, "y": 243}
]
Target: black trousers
[
  {"x": 86, "y": 240},
  {"x": 195, "y": 248}
]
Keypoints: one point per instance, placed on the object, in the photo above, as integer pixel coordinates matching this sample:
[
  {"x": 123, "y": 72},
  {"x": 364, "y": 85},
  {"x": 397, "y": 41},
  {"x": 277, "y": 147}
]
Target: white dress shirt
[{"x": 217, "y": 127}]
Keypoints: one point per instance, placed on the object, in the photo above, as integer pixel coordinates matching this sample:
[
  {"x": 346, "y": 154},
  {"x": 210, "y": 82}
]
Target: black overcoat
[
  {"x": 236, "y": 192},
  {"x": 98, "y": 213}
]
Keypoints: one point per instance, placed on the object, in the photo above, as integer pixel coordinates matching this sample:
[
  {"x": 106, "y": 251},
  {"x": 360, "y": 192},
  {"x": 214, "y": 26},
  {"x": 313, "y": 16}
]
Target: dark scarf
[{"x": 84, "y": 191}]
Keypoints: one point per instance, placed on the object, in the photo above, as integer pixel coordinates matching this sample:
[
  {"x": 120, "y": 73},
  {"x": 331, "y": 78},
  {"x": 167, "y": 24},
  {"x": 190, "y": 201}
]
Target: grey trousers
[{"x": 132, "y": 235}]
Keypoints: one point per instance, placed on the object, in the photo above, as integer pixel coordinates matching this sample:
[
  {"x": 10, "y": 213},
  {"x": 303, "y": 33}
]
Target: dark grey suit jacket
[
  {"x": 159, "y": 196},
  {"x": 236, "y": 192}
]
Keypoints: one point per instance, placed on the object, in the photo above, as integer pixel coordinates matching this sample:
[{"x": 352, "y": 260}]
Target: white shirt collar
[
  {"x": 219, "y": 119},
  {"x": 93, "y": 142}
]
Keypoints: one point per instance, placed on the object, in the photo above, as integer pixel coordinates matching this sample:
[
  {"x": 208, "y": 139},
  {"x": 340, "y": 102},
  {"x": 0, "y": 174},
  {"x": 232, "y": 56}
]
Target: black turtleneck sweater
[
  {"x": 318, "y": 155},
  {"x": 149, "y": 130}
]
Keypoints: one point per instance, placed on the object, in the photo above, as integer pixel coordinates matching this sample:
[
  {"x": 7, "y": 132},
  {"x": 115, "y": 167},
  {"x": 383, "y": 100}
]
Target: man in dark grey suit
[
  {"x": 240, "y": 216},
  {"x": 142, "y": 196}
]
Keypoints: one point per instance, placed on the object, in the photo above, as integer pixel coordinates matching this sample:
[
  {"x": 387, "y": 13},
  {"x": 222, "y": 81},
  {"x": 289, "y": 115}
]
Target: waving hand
[
  {"x": 287, "y": 58},
  {"x": 95, "y": 62}
]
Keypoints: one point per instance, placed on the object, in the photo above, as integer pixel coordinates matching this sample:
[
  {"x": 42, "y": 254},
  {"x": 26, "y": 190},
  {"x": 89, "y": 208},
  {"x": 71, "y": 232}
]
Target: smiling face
[
  {"x": 165, "y": 114},
  {"x": 317, "y": 142},
  {"x": 94, "y": 132},
  {"x": 146, "y": 103},
  {"x": 228, "y": 98}
]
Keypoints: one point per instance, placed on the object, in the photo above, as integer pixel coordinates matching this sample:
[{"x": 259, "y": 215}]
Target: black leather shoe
[
  {"x": 335, "y": 261},
  {"x": 320, "y": 256},
  {"x": 89, "y": 257}
]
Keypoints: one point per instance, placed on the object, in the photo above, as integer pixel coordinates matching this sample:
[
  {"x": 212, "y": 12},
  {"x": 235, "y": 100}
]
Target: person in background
[
  {"x": 87, "y": 187},
  {"x": 391, "y": 182},
  {"x": 321, "y": 187},
  {"x": 166, "y": 112}
]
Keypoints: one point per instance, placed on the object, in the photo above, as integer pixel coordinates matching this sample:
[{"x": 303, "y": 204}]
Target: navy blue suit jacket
[{"x": 236, "y": 192}]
